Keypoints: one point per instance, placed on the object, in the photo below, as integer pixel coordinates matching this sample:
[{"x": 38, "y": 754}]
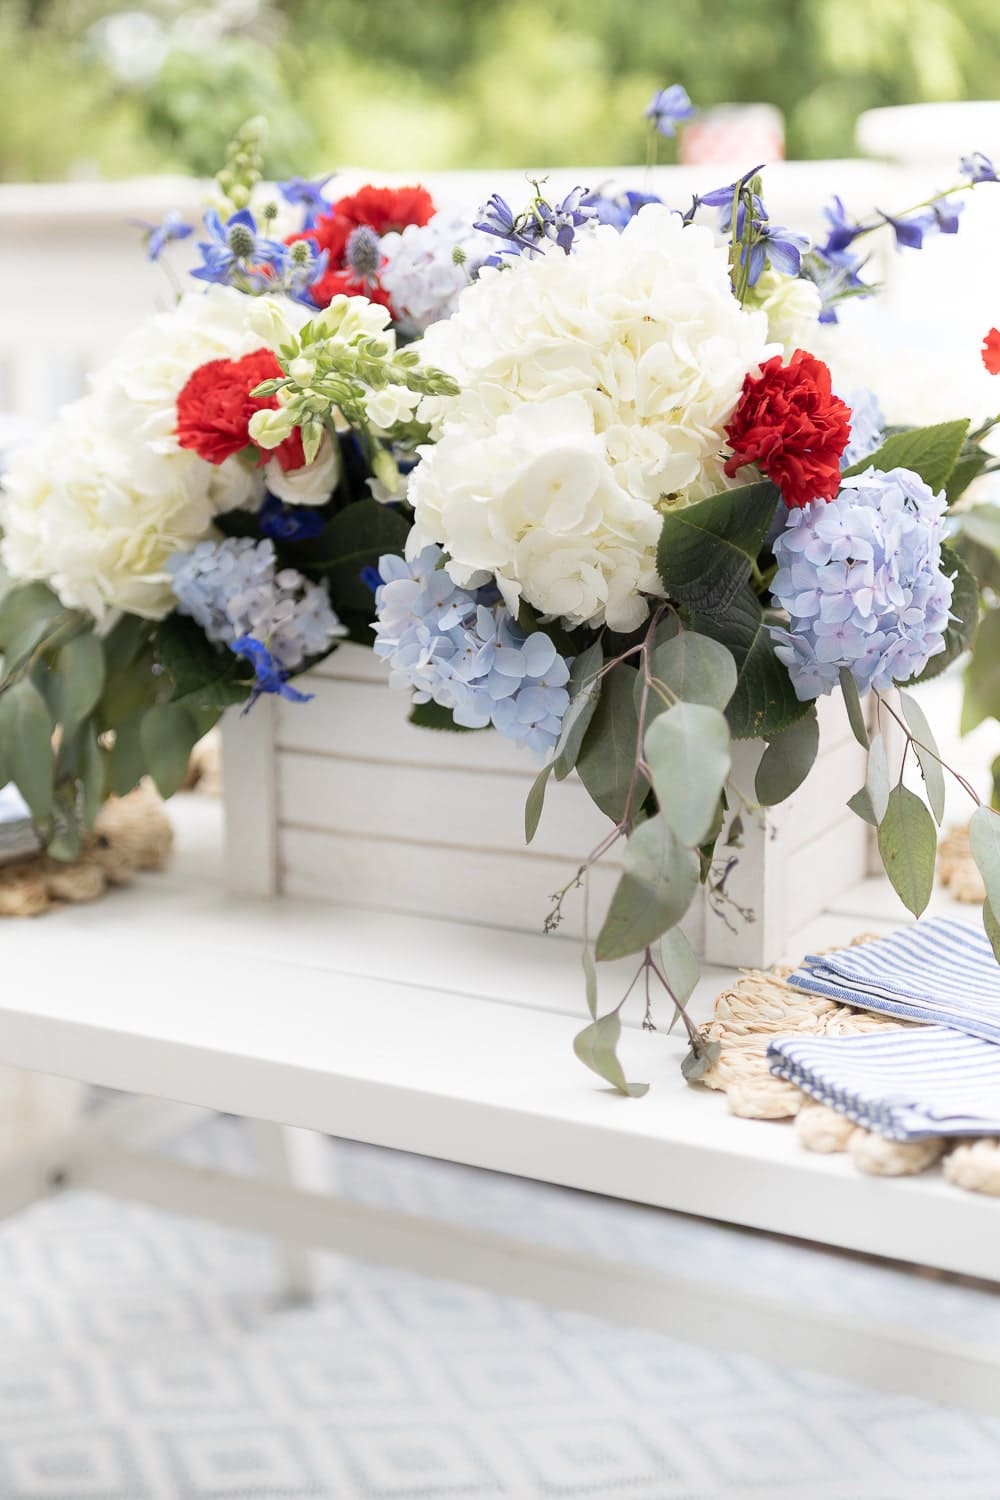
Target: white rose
[{"x": 312, "y": 484}]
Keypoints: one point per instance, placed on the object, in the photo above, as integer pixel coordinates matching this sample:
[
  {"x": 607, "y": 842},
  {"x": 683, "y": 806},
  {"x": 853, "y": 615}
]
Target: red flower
[
  {"x": 381, "y": 209},
  {"x": 790, "y": 424},
  {"x": 215, "y": 407},
  {"x": 991, "y": 351}
]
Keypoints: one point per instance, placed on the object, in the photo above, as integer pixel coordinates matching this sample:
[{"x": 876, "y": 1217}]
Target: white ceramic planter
[{"x": 341, "y": 800}]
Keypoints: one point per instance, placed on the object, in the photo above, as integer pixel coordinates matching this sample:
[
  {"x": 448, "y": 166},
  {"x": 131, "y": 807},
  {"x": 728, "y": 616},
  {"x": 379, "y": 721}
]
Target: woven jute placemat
[{"x": 762, "y": 1005}]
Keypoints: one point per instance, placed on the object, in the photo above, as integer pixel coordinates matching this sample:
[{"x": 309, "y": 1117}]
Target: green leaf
[
  {"x": 680, "y": 966},
  {"x": 535, "y": 803},
  {"x": 26, "y": 736},
  {"x": 982, "y": 679},
  {"x": 584, "y": 690},
  {"x": 433, "y": 716},
  {"x": 984, "y": 837},
  {"x": 199, "y": 671},
  {"x": 982, "y": 524},
  {"x": 355, "y": 539},
  {"x": 855, "y": 711},
  {"x": 129, "y": 690},
  {"x": 607, "y": 756},
  {"x": 931, "y": 452},
  {"x": 92, "y": 775},
  {"x": 992, "y": 927},
  {"x": 959, "y": 633},
  {"x": 127, "y": 760},
  {"x": 908, "y": 845},
  {"x": 764, "y": 702},
  {"x": 688, "y": 752},
  {"x": 787, "y": 761},
  {"x": 167, "y": 734},
  {"x": 28, "y": 613},
  {"x": 589, "y": 979},
  {"x": 861, "y": 804},
  {"x": 65, "y": 841},
  {"x": 696, "y": 669},
  {"x": 124, "y": 641},
  {"x": 596, "y": 1047},
  {"x": 972, "y": 462},
  {"x": 707, "y": 550},
  {"x": 877, "y": 778},
  {"x": 656, "y": 888},
  {"x": 80, "y": 669},
  {"x": 930, "y": 763},
  {"x": 696, "y": 1062}
]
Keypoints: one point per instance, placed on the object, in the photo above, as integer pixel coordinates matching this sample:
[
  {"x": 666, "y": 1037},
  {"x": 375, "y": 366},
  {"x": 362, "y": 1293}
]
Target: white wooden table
[{"x": 453, "y": 1042}]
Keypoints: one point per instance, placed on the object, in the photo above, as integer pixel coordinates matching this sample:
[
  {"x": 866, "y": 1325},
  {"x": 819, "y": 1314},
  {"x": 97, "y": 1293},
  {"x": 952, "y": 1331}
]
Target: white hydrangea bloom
[
  {"x": 420, "y": 271},
  {"x": 103, "y": 497},
  {"x": 595, "y": 392}
]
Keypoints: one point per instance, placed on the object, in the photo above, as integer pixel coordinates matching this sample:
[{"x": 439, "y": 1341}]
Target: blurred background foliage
[{"x": 109, "y": 88}]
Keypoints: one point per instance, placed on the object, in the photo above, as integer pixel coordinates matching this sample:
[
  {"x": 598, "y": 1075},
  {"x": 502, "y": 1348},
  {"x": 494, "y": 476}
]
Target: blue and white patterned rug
[{"x": 144, "y": 1357}]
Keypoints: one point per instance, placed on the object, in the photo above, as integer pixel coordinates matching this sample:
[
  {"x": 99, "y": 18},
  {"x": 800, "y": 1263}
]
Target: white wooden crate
[{"x": 342, "y": 800}]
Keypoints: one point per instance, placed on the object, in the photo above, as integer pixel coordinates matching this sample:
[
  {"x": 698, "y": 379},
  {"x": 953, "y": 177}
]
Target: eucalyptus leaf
[
  {"x": 129, "y": 691},
  {"x": 688, "y": 753},
  {"x": 167, "y": 734},
  {"x": 26, "y": 737},
  {"x": 680, "y": 966},
  {"x": 982, "y": 524},
  {"x": 607, "y": 756},
  {"x": 584, "y": 689},
  {"x": 787, "y": 761},
  {"x": 28, "y": 613},
  {"x": 92, "y": 775},
  {"x": 861, "y": 804},
  {"x": 596, "y": 1046},
  {"x": 80, "y": 670},
  {"x": 126, "y": 759},
  {"x": 697, "y": 1061},
  {"x": 927, "y": 754},
  {"x": 657, "y": 885},
  {"x": 982, "y": 679},
  {"x": 536, "y": 801},
  {"x": 707, "y": 550},
  {"x": 984, "y": 837},
  {"x": 931, "y": 452},
  {"x": 589, "y": 979},
  {"x": 198, "y": 670},
  {"x": 907, "y": 842},
  {"x": 877, "y": 778},
  {"x": 695, "y": 668},
  {"x": 855, "y": 712}
]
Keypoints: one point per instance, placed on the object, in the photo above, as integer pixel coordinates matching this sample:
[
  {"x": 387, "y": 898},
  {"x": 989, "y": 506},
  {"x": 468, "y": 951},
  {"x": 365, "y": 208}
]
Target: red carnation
[
  {"x": 991, "y": 351},
  {"x": 215, "y": 407},
  {"x": 791, "y": 425},
  {"x": 381, "y": 209}
]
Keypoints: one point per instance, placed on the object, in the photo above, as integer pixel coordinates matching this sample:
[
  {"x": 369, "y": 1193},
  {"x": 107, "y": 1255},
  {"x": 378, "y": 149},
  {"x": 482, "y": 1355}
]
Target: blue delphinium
[
  {"x": 669, "y": 108},
  {"x": 309, "y": 193},
  {"x": 842, "y": 229},
  {"x": 862, "y": 581},
  {"x": 978, "y": 168},
  {"x": 527, "y": 232},
  {"x": 269, "y": 676},
  {"x": 289, "y": 523},
  {"x": 234, "y": 590},
  {"x": 158, "y": 236},
  {"x": 460, "y": 648},
  {"x": 618, "y": 209},
  {"x": 867, "y": 426},
  {"x": 236, "y": 251}
]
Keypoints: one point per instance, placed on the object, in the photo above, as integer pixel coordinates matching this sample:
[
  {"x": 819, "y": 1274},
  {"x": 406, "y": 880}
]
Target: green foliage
[
  {"x": 764, "y": 702},
  {"x": 982, "y": 680},
  {"x": 907, "y": 842},
  {"x": 585, "y": 690},
  {"x": 535, "y": 803},
  {"x": 607, "y": 757},
  {"x": 925, "y": 746},
  {"x": 707, "y": 550},
  {"x": 855, "y": 713},
  {"x": 931, "y": 452},
  {"x": 688, "y": 753},
  {"x": 788, "y": 759},
  {"x": 26, "y": 741},
  {"x": 657, "y": 885},
  {"x": 596, "y": 1046},
  {"x": 433, "y": 716},
  {"x": 694, "y": 668},
  {"x": 354, "y": 539},
  {"x": 961, "y": 630}
]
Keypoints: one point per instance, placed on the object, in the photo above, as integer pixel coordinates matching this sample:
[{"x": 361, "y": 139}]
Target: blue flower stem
[{"x": 960, "y": 187}]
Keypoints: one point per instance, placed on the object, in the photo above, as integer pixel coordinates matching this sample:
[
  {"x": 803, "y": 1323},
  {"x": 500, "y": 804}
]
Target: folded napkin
[
  {"x": 942, "y": 972},
  {"x": 905, "y": 1084}
]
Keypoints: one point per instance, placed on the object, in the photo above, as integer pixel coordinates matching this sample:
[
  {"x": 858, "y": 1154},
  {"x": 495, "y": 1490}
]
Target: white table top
[{"x": 438, "y": 1038}]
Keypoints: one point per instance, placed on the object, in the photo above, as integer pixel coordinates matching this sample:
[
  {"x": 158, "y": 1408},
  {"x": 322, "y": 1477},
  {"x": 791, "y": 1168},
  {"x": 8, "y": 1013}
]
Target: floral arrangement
[{"x": 573, "y": 472}]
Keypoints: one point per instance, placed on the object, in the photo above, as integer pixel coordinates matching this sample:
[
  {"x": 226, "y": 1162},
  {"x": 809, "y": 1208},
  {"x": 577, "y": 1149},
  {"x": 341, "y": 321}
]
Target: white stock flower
[
  {"x": 312, "y": 484},
  {"x": 392, "y": 404},
  {"x": 793, "y": 306},
  {"x": 595, "y": 389},
  {"x": 104, "y": 496}
]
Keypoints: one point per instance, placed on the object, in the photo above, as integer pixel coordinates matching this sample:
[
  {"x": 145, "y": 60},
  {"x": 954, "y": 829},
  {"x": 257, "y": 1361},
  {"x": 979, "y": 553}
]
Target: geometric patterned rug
[{"x": 146, "y": 1357}]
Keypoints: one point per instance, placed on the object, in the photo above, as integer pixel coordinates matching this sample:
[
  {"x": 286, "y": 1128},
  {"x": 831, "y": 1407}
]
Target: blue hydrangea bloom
[
  {"x": 867, "y": 426},
  {"x": 862, "y": 582},
  {"x": 460, "y": 648},
  {"x": 234, "y": 590}
]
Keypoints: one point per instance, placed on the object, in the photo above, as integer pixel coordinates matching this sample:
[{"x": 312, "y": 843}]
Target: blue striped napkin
[
  {"x": 942, "y": 972},
  {"x": 904, "y": 1084},
  {"x": 942, "y": 1078}
]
